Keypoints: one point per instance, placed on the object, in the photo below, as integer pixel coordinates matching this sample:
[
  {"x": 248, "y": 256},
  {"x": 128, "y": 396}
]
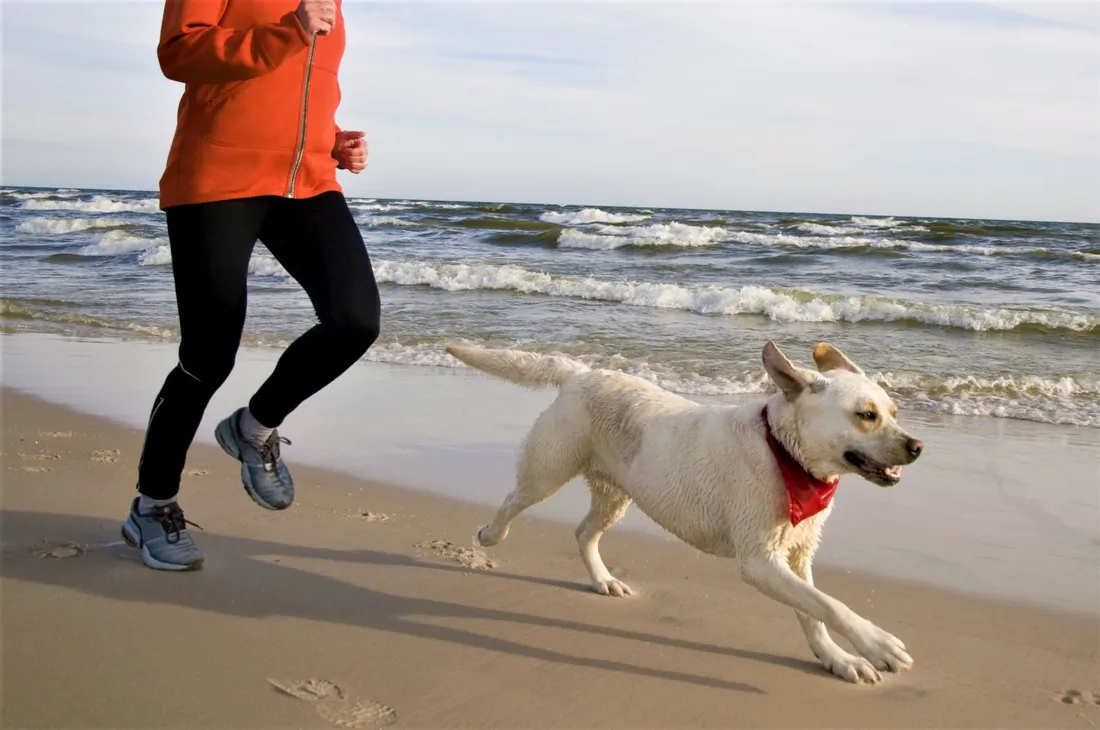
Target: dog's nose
[{"x": 914, "y": 447}]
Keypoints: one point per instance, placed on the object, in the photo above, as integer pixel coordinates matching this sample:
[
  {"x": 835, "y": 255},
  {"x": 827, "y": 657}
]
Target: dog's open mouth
[{"x": 872, "y": 471}]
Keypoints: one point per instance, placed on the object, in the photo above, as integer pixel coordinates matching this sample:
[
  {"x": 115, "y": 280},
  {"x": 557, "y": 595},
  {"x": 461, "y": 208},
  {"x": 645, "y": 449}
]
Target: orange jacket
[{"x": 258, "y": 111}]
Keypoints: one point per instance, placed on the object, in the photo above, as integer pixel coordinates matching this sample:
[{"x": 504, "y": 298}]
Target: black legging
[{"x": 317, "y": 241}]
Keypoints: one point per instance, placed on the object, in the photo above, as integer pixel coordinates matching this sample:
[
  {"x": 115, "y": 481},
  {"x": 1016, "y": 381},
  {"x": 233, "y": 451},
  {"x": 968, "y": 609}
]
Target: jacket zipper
[{"x": 302, "y": 120}]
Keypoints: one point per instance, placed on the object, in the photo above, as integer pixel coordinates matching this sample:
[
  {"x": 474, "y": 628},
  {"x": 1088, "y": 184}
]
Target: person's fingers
[{"x": 351, "y": 151}]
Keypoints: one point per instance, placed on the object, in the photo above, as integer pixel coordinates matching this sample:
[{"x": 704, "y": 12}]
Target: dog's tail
[{"x": 522, "y": 368}]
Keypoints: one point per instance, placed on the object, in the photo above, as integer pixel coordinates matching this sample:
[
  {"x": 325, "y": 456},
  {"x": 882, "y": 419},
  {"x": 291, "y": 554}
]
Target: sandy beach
[{"x": 366, "y": 605}]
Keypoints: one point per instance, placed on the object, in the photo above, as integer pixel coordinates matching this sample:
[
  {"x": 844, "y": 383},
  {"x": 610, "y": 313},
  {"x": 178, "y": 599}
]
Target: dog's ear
[
  {"x": 792, "y": 380},
  {"x": 828, "y": 358}
]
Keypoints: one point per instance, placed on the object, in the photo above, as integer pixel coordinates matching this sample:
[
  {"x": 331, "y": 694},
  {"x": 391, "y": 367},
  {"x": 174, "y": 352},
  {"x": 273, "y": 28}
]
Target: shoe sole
[
  {"x": 151, "y": 562},
  {"x": 229, "y": 446}
]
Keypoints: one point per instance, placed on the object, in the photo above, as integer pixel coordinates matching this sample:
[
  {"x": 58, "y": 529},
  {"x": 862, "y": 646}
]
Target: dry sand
[{"x": 366, "y": 605}]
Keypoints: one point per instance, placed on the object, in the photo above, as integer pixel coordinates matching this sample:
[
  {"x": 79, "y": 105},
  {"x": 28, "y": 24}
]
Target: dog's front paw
[
  {"x": 885, "y": 651},
  {"x": 612, "y": 587},
  {"x": 851, "y": 668}
]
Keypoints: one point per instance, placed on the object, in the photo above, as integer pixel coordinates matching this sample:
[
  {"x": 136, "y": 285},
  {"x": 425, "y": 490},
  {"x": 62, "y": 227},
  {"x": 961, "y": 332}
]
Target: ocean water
[{"x": 963, "y": 317}]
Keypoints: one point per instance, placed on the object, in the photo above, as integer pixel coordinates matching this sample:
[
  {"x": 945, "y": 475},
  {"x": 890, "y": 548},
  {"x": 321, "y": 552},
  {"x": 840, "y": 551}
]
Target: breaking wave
[
  {"x": 657, "y": 234},
  {"x": 380, "y": 221},
  {"x": 889, "y": 223},
  {"x": 118, "y": 242},
  {"x": 682, "y": 235},
  {"x": 42, "y": 195},
  {"x": 820, "y": 229},
  {"x": 69, "y": 225},
  {"x": 590, "y": 215},
  {"x": 781, "y": 306},
  {"x": 97, "y": 204},
  {"x": 378, "y": 207},
  {"x": 859, "y": 244}
]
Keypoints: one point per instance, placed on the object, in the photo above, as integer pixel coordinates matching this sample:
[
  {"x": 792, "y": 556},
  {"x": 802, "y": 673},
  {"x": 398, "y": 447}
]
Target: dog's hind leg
[
  {"x": 554, "y": 452},
  {"x": 609, "y": 504}
]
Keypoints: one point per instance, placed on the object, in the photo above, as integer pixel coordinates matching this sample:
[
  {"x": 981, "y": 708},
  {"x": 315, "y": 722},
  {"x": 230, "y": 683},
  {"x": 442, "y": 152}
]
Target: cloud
[{"x": 986, "y": 110}]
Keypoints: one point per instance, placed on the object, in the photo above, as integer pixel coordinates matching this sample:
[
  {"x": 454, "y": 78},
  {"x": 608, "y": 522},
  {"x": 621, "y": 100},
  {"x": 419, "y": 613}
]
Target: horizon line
[{"x": 1093, "y": 222}]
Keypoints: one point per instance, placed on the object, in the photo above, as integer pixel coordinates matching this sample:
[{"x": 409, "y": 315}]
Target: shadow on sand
[{"x": 262, "y": 588}]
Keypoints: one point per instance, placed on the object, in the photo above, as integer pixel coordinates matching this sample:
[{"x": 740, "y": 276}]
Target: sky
[{"x": 985, "y": 110}]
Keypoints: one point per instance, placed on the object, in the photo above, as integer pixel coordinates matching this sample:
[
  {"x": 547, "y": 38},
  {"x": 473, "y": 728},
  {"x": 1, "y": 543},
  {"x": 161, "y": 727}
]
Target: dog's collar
[{"x": 806, "y": 494}]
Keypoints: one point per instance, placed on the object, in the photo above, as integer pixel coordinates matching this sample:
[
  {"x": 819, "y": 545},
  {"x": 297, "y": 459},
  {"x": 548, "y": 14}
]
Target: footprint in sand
[
  {"x": 31, "y": 469},
  {"x": 106, "y": 456},
  {"x": 363, "y": 515},
  {"x": 335, "y": 707},
  {"x": 61, "y": 550},
  {"x": 39, "y": 457},
  {"x": 56, "y": 434},
  {"x": 463, "y": 556},
  {"x": 1077, "y": 697},
  {"x": 367, "y": 516},
  {"x": 195, "y": 472}
]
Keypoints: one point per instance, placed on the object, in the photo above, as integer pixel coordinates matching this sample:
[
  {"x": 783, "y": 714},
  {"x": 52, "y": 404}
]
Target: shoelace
[
  {"x": 269, "y": 450},
  {"x": 170, "y": 517}
]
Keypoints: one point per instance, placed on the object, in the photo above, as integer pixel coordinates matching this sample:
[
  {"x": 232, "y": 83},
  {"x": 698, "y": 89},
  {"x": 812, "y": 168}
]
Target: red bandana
[{"x": 806, "y": 494}]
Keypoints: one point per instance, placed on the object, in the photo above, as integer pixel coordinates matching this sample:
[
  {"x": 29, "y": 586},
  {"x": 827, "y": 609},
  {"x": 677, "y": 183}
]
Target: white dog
[{"x": 751, "y": 482}]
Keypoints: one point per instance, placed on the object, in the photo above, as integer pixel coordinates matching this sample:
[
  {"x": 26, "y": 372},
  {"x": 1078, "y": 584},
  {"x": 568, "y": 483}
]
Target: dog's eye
[{"x": 867, "y": 415}]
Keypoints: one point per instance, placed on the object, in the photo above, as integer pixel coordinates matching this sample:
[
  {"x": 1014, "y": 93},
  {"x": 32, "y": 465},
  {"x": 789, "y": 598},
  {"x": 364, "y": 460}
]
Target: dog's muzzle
[{"x": 881, "y": 474}]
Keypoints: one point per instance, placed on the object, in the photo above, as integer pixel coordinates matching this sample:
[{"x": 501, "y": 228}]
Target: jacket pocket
[{"x": 259, "y": 114}]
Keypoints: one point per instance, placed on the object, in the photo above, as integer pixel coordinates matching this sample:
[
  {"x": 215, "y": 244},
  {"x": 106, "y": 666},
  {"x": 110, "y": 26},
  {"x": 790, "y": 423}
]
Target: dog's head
[{"x": 844, "y": 423}]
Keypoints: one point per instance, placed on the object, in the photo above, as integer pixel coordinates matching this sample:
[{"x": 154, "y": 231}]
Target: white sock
[
  {"x": 254, "y": 431},
  {"x": 146, "y": 504}
]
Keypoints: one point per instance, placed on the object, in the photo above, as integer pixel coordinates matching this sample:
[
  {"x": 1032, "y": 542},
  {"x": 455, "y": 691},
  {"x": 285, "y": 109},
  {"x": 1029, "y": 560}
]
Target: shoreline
[
  {"x": 394, "y": 492},
  {"x": 327, "y": 592}
]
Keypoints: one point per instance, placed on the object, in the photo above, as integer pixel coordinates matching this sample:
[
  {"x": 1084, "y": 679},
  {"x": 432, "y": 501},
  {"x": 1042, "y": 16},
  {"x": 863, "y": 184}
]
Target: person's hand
[
  {"x": 350, "y": 151},
  {"x": 317, "y": 16}
]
